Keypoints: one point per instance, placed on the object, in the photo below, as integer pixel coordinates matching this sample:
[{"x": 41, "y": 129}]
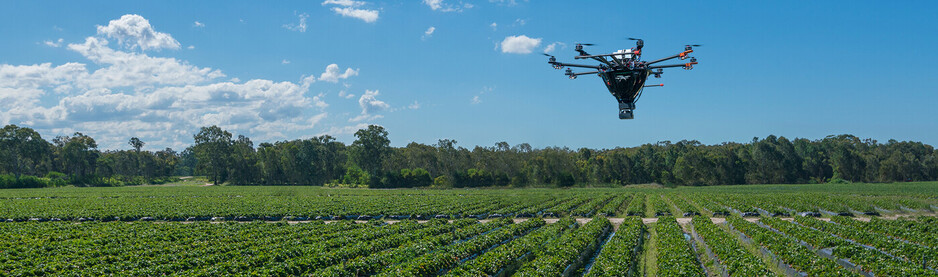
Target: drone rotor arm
[
  {"x": 582, "y": 73},
  {"x": 575, "y": 65},
  {"x": 688, "y": 66},
  {"x": 682, "y": 55},
  {"x": 603, "y": 60}
]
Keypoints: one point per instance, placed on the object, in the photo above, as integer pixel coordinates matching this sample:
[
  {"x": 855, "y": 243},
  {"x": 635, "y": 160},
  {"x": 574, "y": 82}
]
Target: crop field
[{"x": 758, "y": 230}]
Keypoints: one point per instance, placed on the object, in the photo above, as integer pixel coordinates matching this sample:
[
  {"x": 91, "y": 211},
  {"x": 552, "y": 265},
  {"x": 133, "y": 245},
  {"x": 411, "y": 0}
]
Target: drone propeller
[
  {"x": 553, "y": 61},
  {"x": 579, "y": 47},
  {"x": 695, "y": 45},
  {"x": 639, "y": 43}
]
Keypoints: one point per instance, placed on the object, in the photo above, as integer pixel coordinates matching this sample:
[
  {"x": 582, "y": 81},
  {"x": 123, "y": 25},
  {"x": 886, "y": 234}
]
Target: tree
[
  {"x": 78, "y": 154},
  {"x": 243, "y": 163},
  {"x": 22, "y": 150},
  {"x": 371, "y": 148},
  {"x": 212, "y": 149},
  {"x": 136, "y": 143}
]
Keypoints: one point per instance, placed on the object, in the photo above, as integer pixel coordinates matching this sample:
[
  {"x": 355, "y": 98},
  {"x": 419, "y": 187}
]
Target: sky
[{"x": 465, "y": 70}]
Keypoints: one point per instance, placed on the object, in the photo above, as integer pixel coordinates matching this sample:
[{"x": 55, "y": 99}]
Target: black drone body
[{"x": 626, "y": 73}]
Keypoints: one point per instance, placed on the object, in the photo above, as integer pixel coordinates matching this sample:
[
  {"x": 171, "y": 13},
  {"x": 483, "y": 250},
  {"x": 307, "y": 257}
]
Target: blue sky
[{"x": 428, "y": 70}]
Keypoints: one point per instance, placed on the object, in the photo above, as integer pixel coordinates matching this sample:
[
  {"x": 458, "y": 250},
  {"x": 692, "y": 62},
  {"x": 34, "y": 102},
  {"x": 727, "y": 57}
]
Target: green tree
[
  {"x": 213, "y": 151},
  {"x": 243, "y": 163},
  {"x": 78, "y": 154},
  {"x": 22, "y": 150},
  {"x": 371, "y": 148}
]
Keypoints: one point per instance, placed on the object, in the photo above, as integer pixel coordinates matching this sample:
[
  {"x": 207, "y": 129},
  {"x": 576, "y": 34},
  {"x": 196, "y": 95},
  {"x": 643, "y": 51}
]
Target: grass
[{"x": 649, "y": 264}]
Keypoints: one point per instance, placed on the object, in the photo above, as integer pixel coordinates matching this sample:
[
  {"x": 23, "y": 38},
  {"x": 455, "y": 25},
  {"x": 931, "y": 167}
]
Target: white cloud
[
  {"x": 553, "y": 46},
  {"x": 133, "y": 31},
  {"x": 439, "y": 5},
  {"x": 346, "y": 95},
  {"x": 135, "y": 69},
  {"x": 301, "y": 26},
  {"x": 520, "y": 22},
  {"x": 478, "y": 97},
  {"x": 346, "y": 130},
  {"x": 505, "y": 2},
  {"x": 434, "y": 4},
  {"x": 56, "y": 44},
  {"x": 284, "y": 61},
  {"x": 332, "y": 73},
  {"x": 191, "y": 47},
  {"x": 429, "y": 32},
  {"x": 414, "y": 106},
  {"x": 308, "y": 80},
  {"x": 494, "y": 26},
  {"x": 351, "y": 10},
  {"x": 519, "y": 44},
  {"x": 198, "y": 24},
  {"x": 363, "y": 14},
  {"x": 370, "y": 105},
  {"x": 344, "y": 3},
  {"x": 162, "y": 100}
]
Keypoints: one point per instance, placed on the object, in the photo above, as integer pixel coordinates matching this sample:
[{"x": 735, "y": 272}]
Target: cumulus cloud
[
  {"x": 346, "y": 95},
  {"x": 553, "y": 46},
  {"x": 332, "y": 73},
  {"x": 351, "y": 9},
  {"x": 434, "y": 4},
  {"x": 56, "y": 43},
  {"x": 346, "y": 130},
  {"x": 478, "y": 97},
  {"x": 439, "y": 5},
  {"x": 162, "y": 100},
  {"x": 284, "y": 61},
  {"x": 344, "y": 3},
  {"x": 135, "y": 69},
  {"x": 494, "y": 26},
  {"x": 519, "y": 44},
  {"x": 133, "y": 31},
  {"x": 370, "y": 105},
  {"x": 429, "y": 32},
  {"x": 505, "y": 2},
  {"x": 198, "y": 24},
  {"x": 299, "y": 27},
  {"x": 363, "y": 14}
]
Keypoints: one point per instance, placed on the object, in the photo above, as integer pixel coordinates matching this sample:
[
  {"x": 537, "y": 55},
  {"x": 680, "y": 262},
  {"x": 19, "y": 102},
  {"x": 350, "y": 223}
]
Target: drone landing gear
[{"x": 625, "y": 110}]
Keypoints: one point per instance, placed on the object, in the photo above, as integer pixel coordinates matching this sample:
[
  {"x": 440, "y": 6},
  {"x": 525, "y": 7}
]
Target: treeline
[
  {"x": 370, "y": 161},
  {"x": 29, "y": 161}
]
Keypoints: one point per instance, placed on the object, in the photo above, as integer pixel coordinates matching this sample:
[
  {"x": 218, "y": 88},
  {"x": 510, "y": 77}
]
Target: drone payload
[{"x": 625, "y": 74}]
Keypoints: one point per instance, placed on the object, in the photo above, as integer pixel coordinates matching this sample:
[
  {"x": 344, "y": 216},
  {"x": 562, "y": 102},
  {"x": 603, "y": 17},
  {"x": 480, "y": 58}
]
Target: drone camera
[{"x": 625, "y": 110}]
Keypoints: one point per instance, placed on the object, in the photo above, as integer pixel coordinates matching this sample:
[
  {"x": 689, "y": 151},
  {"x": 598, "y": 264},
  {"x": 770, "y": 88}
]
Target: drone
[{"x": 625, "y": 74}]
